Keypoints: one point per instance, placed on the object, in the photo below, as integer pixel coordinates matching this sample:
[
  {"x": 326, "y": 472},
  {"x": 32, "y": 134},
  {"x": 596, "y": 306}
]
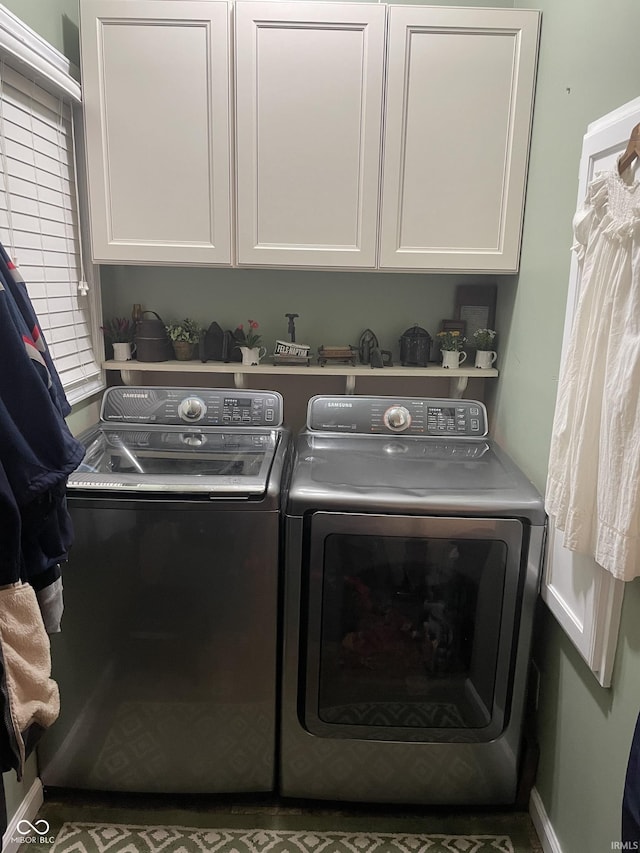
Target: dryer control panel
[
  {"x": 419, "y": 416},
  {"x": 215, "y": 407}
]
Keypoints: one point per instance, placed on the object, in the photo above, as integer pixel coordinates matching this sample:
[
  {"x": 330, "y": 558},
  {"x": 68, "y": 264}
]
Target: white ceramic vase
[
  {"x": 123, "y": 351},
  {"x": 485, "y": 358},
  {"x": 453, "y": 358},
  {"x": 252, "y": 355}
]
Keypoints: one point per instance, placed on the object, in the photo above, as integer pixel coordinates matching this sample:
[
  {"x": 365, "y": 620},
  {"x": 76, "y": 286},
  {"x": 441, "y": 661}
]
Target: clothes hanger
[{"x": 632, "y": 151}]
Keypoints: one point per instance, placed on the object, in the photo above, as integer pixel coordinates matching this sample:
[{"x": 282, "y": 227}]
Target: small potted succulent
[
  {"x": 483, "y": 340},
  {"x": 184, "y": 336}
]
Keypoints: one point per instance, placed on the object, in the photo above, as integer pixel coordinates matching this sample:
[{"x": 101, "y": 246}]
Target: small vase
[
  {"x": 183, "y": 350},
  {"x": 123, "y": 351},
  {"x": 453, "y": 358},
  {"x": 485, "y": 358},
  {"x": 252, "y": 355}
]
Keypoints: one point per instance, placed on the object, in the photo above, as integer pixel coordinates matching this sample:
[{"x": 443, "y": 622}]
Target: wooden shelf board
[{"x": 297, "y": 370}]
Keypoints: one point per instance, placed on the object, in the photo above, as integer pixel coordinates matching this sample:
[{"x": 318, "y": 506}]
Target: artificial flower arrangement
[
  {"x": 118, "y": 330},
  {"x": 483, "y": 339},
  {"x": 451, "y": 340},
  {"x": 250, "y": 338},
  {"x": 186, "y": 330}
]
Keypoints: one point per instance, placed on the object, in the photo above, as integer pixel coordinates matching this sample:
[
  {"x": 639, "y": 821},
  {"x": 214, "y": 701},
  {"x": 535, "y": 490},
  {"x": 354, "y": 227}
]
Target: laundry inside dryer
[{"x": 404, "y": 643}]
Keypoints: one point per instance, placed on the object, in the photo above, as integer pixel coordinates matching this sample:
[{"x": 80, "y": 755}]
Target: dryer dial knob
[
  {"x": 397, "y": 418},
  {"x": 192, "y": 409}
]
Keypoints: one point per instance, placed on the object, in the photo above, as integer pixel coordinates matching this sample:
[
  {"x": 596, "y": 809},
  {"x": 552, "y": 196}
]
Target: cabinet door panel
[
  {"x": 309, "y": 103},
  {"x": 458, "y": 111},
  {"x": 156, "y": 83}
]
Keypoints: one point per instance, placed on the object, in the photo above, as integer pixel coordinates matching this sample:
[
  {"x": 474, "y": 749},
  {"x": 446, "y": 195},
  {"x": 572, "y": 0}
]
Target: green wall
[
  {"x": 55, "y": 20},
  {"x": 334, "y": 307},
  {"x": 589, "y": 65}
]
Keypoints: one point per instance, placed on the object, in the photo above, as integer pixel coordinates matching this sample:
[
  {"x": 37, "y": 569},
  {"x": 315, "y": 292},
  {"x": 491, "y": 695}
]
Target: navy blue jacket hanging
[
  {"x": 37, "y": 450},
  {"x": 37, "y": 453}
]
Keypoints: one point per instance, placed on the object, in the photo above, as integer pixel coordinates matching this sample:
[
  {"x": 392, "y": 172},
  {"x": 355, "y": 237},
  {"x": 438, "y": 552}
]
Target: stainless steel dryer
[
  {"x": 167, "y": 657},
  {"x": 414, "y": 547}
]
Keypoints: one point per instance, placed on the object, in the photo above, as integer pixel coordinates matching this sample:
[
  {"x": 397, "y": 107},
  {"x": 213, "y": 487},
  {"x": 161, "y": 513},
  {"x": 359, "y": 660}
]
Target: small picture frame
[
  {"x": 476, "y": 306},
  {"x": 453, "y": 326}
]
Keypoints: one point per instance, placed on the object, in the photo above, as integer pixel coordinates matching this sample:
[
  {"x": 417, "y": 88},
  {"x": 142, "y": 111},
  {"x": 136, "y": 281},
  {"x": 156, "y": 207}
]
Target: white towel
[{"x": 32, "y": 693}]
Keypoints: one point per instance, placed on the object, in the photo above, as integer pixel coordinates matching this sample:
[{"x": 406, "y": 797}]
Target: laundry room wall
[
  {"x": 584, "y": 730},
  {"x": 588, "y": 66},
  {"x": 55, "y": 20}
]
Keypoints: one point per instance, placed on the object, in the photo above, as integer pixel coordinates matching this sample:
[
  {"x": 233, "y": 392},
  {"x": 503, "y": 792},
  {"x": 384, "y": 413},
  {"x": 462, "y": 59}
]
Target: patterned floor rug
[{"x": 125, "y": 838}]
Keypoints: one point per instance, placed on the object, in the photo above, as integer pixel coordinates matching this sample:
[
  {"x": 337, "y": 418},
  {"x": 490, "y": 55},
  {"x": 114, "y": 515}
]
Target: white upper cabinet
[
  {"x": 309, "y": 88},
  {"x": 316, "y": 182},
  {"x": 459, "y": 99},
  {"x": 156, "y": 90}
]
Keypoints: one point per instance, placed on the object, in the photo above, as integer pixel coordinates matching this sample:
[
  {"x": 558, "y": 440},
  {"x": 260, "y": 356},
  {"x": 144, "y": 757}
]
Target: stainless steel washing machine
[
  {"x": 413, "y": 557},
  {"x": 167, "y": 658}
]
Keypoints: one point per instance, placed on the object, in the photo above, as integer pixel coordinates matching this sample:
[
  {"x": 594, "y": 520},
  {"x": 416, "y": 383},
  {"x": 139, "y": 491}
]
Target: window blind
[{"x": 39, "y": 224}]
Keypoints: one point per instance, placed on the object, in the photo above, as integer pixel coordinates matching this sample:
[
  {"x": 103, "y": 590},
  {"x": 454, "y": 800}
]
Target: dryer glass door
[{"x": 412, "y": 626}]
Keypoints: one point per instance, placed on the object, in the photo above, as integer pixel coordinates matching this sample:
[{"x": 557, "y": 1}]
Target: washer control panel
[
  {"x": 202, "y": 406},
  {"x": 419, "y": 416}
]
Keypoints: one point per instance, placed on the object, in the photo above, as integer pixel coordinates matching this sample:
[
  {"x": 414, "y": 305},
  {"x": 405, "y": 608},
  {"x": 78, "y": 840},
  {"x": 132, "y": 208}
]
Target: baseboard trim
[
  {"x": 542, "y": 824},
  {"x": 27, "y": 810}
]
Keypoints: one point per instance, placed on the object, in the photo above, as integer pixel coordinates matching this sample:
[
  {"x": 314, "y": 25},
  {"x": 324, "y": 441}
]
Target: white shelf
[{"x": 459, "y": 377}]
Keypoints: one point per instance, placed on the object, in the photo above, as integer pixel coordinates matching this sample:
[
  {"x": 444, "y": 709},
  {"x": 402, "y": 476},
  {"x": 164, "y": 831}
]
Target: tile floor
[{"x": 271, "y": 812}]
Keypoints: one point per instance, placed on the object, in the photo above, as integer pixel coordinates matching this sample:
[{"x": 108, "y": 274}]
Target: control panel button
[
  {"x": 192, "y": 409},
  {"x": 397, "y": 418}
]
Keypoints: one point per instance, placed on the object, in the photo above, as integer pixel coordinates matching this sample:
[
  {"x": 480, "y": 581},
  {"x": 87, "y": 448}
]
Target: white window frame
[
  {"x": 25, "y": 52},
  {"x": 585, "y": 598}
]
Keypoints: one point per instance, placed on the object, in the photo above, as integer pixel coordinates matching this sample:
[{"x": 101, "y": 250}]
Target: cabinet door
[
  {"x": 308, "y": 123},
  {"x": 156, "y": 88},
  {"x": 458, "y": 113}
]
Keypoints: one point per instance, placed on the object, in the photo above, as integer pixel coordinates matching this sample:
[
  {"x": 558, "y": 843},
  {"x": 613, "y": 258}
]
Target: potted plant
[
  {"x": 451, "y": 346},
  {"x": 184, "y": 336},
  {"x": 249, "y": 343},
  {"x": 484, "y": 342},
  {"x": 118, "y": 331}
]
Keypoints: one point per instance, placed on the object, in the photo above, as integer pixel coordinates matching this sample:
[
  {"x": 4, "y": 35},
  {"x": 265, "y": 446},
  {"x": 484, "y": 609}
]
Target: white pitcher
[
  {"x": 453, "y": 358},
  {"x": 123, "y": 350},
  {"x": 485, "y": 358},
  {"x": 252, "y": 355}
]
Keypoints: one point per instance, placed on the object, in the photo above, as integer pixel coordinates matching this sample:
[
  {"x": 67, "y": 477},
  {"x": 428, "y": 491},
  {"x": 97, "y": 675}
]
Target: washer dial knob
[
  {"x": 397, "y": 418},
  {"x": 192, "y": 409}
]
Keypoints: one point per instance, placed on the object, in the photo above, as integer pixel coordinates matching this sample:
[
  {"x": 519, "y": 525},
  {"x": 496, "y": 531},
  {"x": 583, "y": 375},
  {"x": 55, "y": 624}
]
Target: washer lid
[
  {"x": 177, "y": 460},
  {"x": 406, "y": 474}
]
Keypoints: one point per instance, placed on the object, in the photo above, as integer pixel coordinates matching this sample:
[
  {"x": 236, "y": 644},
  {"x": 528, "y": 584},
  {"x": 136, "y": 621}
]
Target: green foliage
[
  {"x": 250, "y": 338},
  {"x": 452, "y": 341},
  {"x": 118, "y": 330},
  {"x": 483, "y": 339},
  {"x": 186, "y": 330}
]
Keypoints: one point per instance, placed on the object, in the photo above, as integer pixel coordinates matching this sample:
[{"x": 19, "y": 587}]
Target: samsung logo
[
  {"x": 140, "y": 394},
  {"x": 340, "y": 405}
]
